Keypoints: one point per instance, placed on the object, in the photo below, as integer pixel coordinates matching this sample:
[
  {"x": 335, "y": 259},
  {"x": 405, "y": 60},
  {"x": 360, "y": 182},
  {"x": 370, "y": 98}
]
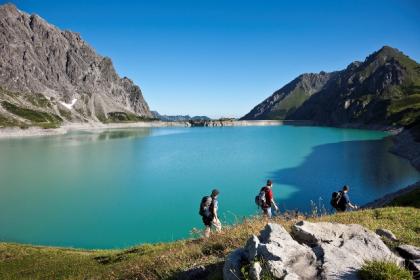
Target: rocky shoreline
[
  {"x": 386, "y": 199},
  {"x": 406, "y": 146},
  {"x": 38, "y": 131},
  {"x": 15, "y": 132}
]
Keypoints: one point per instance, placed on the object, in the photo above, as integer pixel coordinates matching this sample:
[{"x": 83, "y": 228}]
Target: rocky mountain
[
  {"x": 287, "y": 99},
  {"x": 382, "y": 90},
  {"x": 52, "y": 76}
]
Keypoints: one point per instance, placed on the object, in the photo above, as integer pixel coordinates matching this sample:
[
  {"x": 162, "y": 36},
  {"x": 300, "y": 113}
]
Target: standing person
[
  {"x": 266, "y": 200},
  {"x": 208, "y": 210},
  {"x": 344, "y": 202}
]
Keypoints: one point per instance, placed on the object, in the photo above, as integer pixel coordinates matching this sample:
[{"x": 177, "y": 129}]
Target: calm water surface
[{"x": 118, "y": 188}]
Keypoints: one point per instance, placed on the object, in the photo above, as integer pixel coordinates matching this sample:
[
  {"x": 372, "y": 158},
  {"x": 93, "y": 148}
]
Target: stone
[
  {"x": 194, "y": 273},
  {"x": 255, "y": 271},
  {"x": 386, "y": 234},
  {"x": 284, "y": 255},
  {"x": 292, "y": 276},
  {"x": 198, "y": 272},
  {"x": 312, "y": 251},
  {"x": 251, "y": 248},
  {"x": 232, "y": 267},
  {"x": 343, "y": 249},
  {"x": 414, "y": 266},
  {"x": 409, "y": 252}
]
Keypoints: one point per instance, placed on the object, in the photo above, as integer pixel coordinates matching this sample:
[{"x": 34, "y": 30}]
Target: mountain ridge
[
  {"x": 384, "y": 89},
  {"x": 38, "y": 60}
]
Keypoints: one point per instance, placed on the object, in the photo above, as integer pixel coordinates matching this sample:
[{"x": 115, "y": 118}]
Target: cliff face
[
  {"x": 79, "y": 85},
  {"x": 286, "y": 100},
  {"x": 384, "y": 89}
]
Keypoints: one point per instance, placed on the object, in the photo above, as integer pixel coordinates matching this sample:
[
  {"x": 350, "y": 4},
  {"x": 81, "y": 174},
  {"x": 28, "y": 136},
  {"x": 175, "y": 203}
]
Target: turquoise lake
[{"x": 122, "y": 187}]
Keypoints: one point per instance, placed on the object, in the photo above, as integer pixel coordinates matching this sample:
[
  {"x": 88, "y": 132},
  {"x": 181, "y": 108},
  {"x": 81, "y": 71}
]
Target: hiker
[
  {"x": 265, "y": 199},
  {"x": 208, "y": 210},
  {"x": 341, "y": 201}
]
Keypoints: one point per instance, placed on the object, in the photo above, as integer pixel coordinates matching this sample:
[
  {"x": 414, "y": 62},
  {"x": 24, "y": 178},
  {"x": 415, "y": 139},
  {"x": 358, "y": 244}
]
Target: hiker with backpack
[
  {"x": 208, "y": 211},
  {"x": 340, "y": 200},
  {"x": 265, "y": 199}
]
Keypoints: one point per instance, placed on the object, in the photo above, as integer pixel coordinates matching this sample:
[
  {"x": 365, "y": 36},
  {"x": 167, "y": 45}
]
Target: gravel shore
[{"x": 37, "y": 131}]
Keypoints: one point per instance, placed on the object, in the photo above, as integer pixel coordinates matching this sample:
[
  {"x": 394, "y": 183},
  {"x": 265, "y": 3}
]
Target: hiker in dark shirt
[
  {"x": 209, "y": 212},
  {"x": 344, "y": 202}
]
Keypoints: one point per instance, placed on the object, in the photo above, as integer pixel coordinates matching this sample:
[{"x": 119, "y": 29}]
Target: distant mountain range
[
  {"x": 179, "y": 118},
  {"x": 49, "y": 76},
  {"x": 382, "y": 90}
]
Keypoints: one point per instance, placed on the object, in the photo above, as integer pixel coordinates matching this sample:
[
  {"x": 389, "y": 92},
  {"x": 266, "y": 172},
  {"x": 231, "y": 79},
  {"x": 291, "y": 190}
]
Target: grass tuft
[
  {"x": 380, "y": 270},
  {"x": 42, "y": 119}
]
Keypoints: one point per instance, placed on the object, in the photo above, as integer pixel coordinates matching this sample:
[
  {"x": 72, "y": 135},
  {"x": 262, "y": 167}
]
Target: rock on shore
[
  {"x": 406, "y": 145},
  {"x": 312, "y": 251},
  {"x": 386, "y": 199}
]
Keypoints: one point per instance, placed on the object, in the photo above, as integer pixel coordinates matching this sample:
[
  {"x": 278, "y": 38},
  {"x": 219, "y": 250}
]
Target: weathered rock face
[
  {"x": 386, "y": 234},
  {"x": 232, "y": 267},
  {"x": 382, "y": 90},
  {"x": 286, "y": 100},
  {"x": 285, "y": 256},
  {"x": 37, "y": 57},
  {"x": 411, "y": 254},
  {"x": 407, "y": 144},
  {"x": 316, "y": 251},
  {"x": 387, "y": 199},
  {"x": 343, "y": 249}
]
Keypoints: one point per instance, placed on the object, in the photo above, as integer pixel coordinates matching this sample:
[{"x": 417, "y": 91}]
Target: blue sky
[{"x": 221, "y": 58}]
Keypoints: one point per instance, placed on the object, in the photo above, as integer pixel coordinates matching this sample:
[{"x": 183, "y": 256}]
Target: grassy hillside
[
  {"x": 384, "y": 89},
  {"x": 167, "y": 260},
  {"x": 25, "y": 110},
  {"x": 35, "y": 109}
]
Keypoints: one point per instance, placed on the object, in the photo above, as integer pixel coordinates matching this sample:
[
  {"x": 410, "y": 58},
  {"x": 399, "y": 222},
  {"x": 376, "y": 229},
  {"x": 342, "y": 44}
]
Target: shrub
[{"x": 37, "y": 117}]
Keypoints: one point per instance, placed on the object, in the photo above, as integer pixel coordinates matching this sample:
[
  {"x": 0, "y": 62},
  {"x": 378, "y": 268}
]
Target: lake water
[{"x": 123, "y": 187}]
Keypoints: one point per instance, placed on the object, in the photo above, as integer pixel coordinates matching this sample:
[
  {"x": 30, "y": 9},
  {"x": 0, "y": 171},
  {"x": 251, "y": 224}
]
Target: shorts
[
  {"x": 267, "y": 212},
  {"x": 208, "y": 221}
]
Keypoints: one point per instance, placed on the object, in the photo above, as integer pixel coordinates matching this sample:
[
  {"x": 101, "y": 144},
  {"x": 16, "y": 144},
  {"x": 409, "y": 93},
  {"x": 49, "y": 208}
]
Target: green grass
[
  {"x": 38, "y": 100},
  {"x": 166, "y": 260},
  {"x": 379, "y": 270},
  {"x": 287, "y": 105},
  {"x": 43, "y": 119},
  {"x": 265, "y": 274},
  {"x": 126, "y": 117},
  {"x": 404, "y": 222},
  {"x": 404, "y": 111},
  {"x": 406, "y": 102},
  {"x": 64, "y": 112},
  {"x": 6, "y": 121},
  {"x": 409, "y": 199}
]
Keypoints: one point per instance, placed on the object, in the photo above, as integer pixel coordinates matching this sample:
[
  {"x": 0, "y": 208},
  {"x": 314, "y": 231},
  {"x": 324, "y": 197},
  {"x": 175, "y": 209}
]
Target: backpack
[
  {"x": 335, "y": 199},
  {"x": 260, "y": 198},
  {"x": 205, "y": 205}
]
